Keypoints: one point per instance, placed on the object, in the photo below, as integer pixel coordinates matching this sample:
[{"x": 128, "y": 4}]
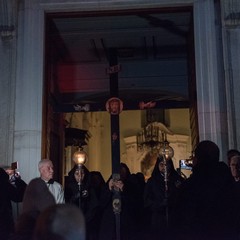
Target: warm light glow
[
  {"x": 80, "y": 157},
  {"x": 166, "y": 150}
]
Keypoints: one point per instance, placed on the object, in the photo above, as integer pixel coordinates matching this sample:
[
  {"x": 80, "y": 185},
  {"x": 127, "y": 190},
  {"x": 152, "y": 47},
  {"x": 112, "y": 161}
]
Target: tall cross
[{"x": 114, "y": 107}]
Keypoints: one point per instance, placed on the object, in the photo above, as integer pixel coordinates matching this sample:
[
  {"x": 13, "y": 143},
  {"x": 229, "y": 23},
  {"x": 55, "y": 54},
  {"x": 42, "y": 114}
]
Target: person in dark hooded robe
[
  {"x": 159, "y": 197},
  {"x": 119, "y": 219},
  {"x": 9, "y": 192},
  {"x": 79, "y": 192}
]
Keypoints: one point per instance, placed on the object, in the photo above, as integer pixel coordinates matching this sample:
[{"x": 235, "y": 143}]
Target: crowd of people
[{"x": 205, "y": 206}]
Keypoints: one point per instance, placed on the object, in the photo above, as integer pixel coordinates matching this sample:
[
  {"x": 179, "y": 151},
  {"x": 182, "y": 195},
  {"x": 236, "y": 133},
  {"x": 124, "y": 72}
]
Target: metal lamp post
[{"x": 79, "y": 158}]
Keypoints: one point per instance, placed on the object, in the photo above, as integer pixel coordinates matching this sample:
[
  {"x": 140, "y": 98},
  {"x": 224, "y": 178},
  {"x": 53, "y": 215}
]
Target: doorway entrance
[{"x": 156, "y": 65}]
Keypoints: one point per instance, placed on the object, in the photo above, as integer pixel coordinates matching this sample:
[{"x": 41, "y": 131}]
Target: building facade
[{"x": 217, "y": 56}]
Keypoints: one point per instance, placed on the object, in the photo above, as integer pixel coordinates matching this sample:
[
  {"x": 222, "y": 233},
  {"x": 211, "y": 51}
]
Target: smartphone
[
  {"x": 183, "y": 165},
  {"x": 14, "y": 165},
  {"x": 115, "y": 178}
]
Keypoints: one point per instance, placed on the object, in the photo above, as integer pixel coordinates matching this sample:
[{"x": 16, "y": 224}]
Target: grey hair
[{"x": 42, "y": 162}]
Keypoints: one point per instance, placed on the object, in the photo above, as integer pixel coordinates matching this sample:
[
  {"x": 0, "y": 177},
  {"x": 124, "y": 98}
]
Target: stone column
[
  {"x": 209, "y": 75},
  {"x": 29, "y": 88},
  {"x": 8, "y": 15},
  {"x": 231, "y": 40}
]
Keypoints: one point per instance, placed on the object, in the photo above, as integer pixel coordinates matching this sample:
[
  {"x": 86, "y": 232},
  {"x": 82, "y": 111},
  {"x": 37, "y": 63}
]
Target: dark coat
[
  {"x": 83, "y": 196},
  {"x": 237, "y": 189},
  {"x": 9, "y": 192},
  {"x": 159, "y": 198},
  {"x": 206, "y": 205},
  {"x": 37, "y": 198},
  {"x": 129, "y": 205},
  {"x": 86, "y": 198}
]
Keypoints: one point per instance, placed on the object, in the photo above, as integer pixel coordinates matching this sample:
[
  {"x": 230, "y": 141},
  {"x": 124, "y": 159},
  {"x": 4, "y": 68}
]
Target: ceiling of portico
[{"x": 152, "y": 48}]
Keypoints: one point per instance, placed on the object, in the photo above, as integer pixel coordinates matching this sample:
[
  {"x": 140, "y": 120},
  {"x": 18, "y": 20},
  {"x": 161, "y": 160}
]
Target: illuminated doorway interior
[{"x": 155, "y": 55}]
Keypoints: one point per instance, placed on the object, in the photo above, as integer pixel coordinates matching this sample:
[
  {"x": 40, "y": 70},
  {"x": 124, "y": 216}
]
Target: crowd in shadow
[{"x": 204, "y": 206}]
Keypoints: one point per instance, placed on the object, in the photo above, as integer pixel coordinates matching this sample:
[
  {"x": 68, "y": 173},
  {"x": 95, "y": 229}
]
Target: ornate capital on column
[
  {"x": 7, "y": 18},
  {"x": 231, "y": 12}
]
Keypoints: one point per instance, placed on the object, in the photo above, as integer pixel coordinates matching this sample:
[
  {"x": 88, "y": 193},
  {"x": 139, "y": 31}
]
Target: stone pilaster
[
  {"x": 231, "y": 39},
  {"x": 231, "y": 12},
  {"x": 209, "y": 74},
  {"x": 7, "y": 18},
  {"x": 8, "y": 13}
]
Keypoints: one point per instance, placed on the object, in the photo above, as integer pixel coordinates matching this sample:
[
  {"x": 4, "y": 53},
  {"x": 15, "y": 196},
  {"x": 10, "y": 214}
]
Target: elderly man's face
[{"x": 46, "y": 171}]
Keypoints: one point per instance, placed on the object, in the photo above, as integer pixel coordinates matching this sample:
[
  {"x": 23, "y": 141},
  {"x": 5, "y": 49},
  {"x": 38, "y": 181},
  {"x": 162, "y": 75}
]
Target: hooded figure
[
  {"x": 159, "y": 196},
  {"x": 79, "y": 192},
  {"x": 124, "y": 187}
]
